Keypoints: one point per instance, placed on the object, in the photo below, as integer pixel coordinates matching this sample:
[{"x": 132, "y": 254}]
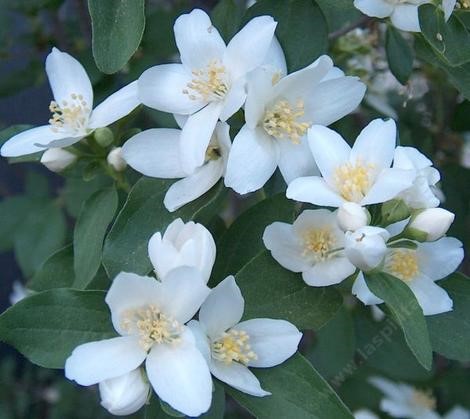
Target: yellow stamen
[
  {"x": 424, "y": 399},
  {"x": 318, "y": 243},
  {"x": 403, "y": 263},
  {"x": 209, "y": 83},
  {"x": 71, "y": 115},
  {"x": 233, "y": 346},
  {"x": 353, "y": 180}
]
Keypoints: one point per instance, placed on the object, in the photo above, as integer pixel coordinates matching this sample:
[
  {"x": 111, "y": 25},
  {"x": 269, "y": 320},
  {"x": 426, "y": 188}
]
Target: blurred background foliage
[{"x": 38, "y": 208}]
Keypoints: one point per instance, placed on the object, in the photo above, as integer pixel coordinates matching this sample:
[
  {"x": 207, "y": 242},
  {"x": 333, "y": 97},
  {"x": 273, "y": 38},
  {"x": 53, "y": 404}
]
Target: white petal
[
  {"x": 314, "y": 190},
  {"x": 457, "y": 412},
  {"x": 448, "y": 7},
  {"x": 399, "y": 393},
  {"x": 334, "y": 73},
  {"x": 259, "y": 90},
  {"x": 180, "y": 119},
  {"x": 222, "y": 309},
  {"x": 275, "y": 58},
  {"x": 405, "y": 17},
  {"x": 161, "y": 87},
  {"x": 252, "y": 160},
  {"x": 329, "y": 272},
  {"x": 309, "y": 219},
  {"x": 180, "y": 376},
  {"x": 93, "y": 362},
  {"x": 248, "y": 48},
  {"x": 234, "y": 99},
  {"x": 196, "y": 135},
  {"x": 155, "y": 153},
  {"x": 296, "y": 160},
  {"x": 237, "y": 376},
  {"x": 363, "y": 293},
  {"x": 431, "y": 297},
  {"x": 396, "y": 228},
  {"x": 329, "y": 149},
  {"x": 440, "y": 258},
  {"x": 376, "y": 144},
  {"x": 31, "y": 141},
  {"x": 198, "y": 41},
  {"x": 116, "y": 106},
  {"x": 200, "y": 338},
  {"x": 332, "y": 99},
  {"x": 280, "y": 239},
  {"x": 410, "y": 158},
  {"x": 374, "y": 8},
  {"x": 273, "y": 341},
  {"x": 163, "y": 255},
  {"x": 66, "y": 77},
  {"x": 388, "y": 185},
  {"x": 193, "y": 186}
]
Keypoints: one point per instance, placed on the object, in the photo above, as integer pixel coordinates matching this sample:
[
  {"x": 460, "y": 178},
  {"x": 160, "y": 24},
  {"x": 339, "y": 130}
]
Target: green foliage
[
  {"x": 399, "y": 55},
  {"x": 227, "y": 17}
]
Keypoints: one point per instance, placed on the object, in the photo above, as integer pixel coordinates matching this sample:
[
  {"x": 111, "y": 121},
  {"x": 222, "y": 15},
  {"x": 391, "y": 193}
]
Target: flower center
[
  {"x": 424, "y": 399},
  {"x": 152, "y": 326},
  {"x": 318, "y": 242},
  {"x": 208, "y": 84},
  {"x": 353, "y": 181},
  {"x": 403, "y": 264},
  {"x": 282, "y": 121},
  {"x": 70, "y": 114},
  {"x": 234, "y": 345}
]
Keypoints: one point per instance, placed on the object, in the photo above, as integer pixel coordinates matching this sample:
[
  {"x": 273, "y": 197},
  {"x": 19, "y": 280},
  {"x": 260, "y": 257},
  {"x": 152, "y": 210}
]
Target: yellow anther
[
  {"x": 353, "y": 180},
  {"x": 70, "y": 115},
  {"x": 424, "y": 399},
  {"x": 403, "y": 263},
  {"x": 208, "y": 84},
  {"x": 318, "y": 243},
  {"x": 233, "y": 346},
  {"x": 282, "y": 121}
]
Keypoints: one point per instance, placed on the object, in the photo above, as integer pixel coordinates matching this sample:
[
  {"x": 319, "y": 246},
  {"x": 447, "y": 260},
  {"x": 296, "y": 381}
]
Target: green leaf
[
  {"x": 244, "y": 239},
  {"x": 408, "y": 314},
  {"x": 339, "y": 13},
  {"x": 46, "y": 327},
  {"x": 450, "y": 332},
  {"x": 450, "y": 39},
  {"x": 118, "y": 26},
  {"x": 274, "y": 292},
  {"x": 298, "y": 392},
  {"x": 55, "y": 272},
  {"x": 144, "y": 214},
  {"x": 218, "y": 403},
  {"x": 302, "y": 30},
  {"x": 13, "y": 210},
  {"x": 96, "y": 214},
  {"x": 41, "y": 233},
  {"x": 227, "y": 16},
  {"x": 399, "y": 55}
]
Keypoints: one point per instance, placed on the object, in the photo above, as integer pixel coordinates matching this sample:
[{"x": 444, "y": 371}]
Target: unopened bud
[
  {"x": 57, "y": 159},
  {"x": 393, "y": 211},
  {"x": 104, "y": 136},
  {"x": 115, "y": 159},
  {"x": 430, "y": 224},
  {"x": 352, "y": 216}
]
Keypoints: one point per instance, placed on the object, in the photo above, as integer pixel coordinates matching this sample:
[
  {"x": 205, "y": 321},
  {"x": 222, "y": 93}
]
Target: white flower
[
  {"x": 210, "y": 83},
  {"x": 419, "y": 268},
  {"x": 402, "y": 13},
  {"x": 360, "y": 174},
  {"x": 231, "y": 347},
  {"x": 57, "y": 159},
  {"x": 434, "y": 222},
  {"x": 404, "y": 401},
  {"x": 149, "y": 316},
  {"x": 457, "y": 412},
  {"x": 422, "y": 194},
  {"x": 366, "y": 247},
  {"x": 364, "y": 414},
  {"x": 126, "y": 394},
  {"x": 312, "y": 245},
  {"x": 182, "y": 244},
  {"x": 448, "y": 8},
  {"x": 352, "y": 216},
  {"x": 278, "y": 113},
  {"x": 156, "y": 153},
  {"x": 115, "y": 159},
  {"x": 72, "y": 115}
]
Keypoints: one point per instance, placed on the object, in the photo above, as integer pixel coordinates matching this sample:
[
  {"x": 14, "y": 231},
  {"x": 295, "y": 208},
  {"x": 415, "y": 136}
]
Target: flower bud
[
  {"x": 115, "y": 159},
  {"x": 57, "y": 159},
  {"x": 393, "y": 211},
  {"x": 125, "y": 394},
  {"x": 352, "y": 216},
  {"x": 104, "y": 136},
  {"x": 430, "y": 224},
  {"x": 366, "y": 247}
]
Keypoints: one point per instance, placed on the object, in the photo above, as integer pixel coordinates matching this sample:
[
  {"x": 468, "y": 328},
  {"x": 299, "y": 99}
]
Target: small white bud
[
  {"x": 125, "y": 394},
  {"x": 57, "y": 159},
  {"x": 366, "y": 247},
  {"x": 433, "y": 222},
  {"x": 115, "y": 159},
  {"x": 352, "y": 216}
]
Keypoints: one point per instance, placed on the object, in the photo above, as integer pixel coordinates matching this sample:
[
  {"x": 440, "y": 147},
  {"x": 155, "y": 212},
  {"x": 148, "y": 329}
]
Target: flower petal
[
  {"x": 252, "y": 160},
  {"x": 410, "y": 158},
  {"x": 275, "y": 58},
  {"x": 405, "y": 17},
  {"x": 196, "y": 135},
  {"x": 161, "y": 87},
  {"x": 363, "y": 293},
  {"x": 273, "y": 341},
  {"x": 163, "y": 255},
  {"x": 116, "y": 106},
  {"x": 296, "y": 160},
  {"x": 329, "y": 272},
  {"x": 155, "y": 153},
  {"x": 93, "y": 362},
  {"x": 66, "y": 77},
  {"x": 280, "y": 239},
  {"x": 314, "y": 190},
  {"x": 237, "y": 376},
  {"x": 200, "y": 338},
  {"x": 222, "y": 309},
  {"x": 259, "y": 90},
  {"x": 248, "y": 48},
  {"x": 374, "y": 8},
  {"x": 388, "y": 185},
  {"x": 431, "y": 297},
  {"x": 234, "y": 99},
  {"x": 180, "y": 376}
]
